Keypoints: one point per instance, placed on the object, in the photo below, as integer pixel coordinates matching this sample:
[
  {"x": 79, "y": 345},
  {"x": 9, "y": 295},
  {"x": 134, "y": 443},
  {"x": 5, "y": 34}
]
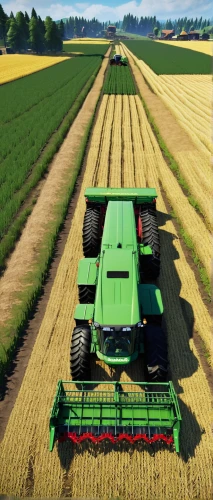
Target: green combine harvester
[
  {"x": 119, "y": 317},
  {"x": 118, "y": 60}
]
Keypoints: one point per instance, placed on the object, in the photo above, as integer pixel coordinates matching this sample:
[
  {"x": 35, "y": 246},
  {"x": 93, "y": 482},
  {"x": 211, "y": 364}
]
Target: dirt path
[
  {"x": 28, "y": 469},
  {"x": 28, "y": 248}
]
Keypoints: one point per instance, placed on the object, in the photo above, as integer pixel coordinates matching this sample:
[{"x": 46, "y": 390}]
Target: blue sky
[{"x": 113, "y": 10}]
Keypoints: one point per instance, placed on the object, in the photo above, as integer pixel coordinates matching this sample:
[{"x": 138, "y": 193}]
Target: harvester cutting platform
[{"x": 119, "y": 317}]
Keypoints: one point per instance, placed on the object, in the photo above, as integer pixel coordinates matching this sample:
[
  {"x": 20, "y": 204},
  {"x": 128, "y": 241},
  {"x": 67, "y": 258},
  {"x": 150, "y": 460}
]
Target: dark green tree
[
  {"x": 52, "y": 37},
  {"x": 36, "y": 38},
  {"x": 155, "y": 31},
  {"x": 13, "y": 35},
  {"x": 26, "y": 17},
  {"x": 61, "y": 29},
  {"x": 3, "y": 24},
  {"x": 33, "y": 13},
  {"x": 23, "y": 31}
]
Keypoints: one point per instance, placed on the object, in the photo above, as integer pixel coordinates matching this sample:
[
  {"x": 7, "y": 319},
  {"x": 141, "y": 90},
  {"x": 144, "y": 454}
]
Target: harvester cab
[
  {"x": 118, "y": 317},
  {"x": 118, "y": 60}
]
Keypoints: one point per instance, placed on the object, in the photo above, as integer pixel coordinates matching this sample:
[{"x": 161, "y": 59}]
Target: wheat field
[
  {"x": 13, "y": 66},
  {"x": 27, "y": 467},
  {"x": 206, "y": 47}
]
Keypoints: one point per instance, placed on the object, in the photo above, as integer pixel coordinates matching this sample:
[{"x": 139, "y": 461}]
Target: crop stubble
[
  {"x": 188, "y": 97},
  {"x": 27, "y": 467}
]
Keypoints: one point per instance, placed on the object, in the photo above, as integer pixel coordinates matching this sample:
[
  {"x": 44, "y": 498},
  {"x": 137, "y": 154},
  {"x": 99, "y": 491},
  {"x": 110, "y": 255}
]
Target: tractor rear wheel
[
  {"x": 150, "y": 264},
  {"x": 86, "y": 294},
  {"x": 80, "y": 353},
  {"x": 156, "y": 359},
  {"x": 92, "y": 232}
]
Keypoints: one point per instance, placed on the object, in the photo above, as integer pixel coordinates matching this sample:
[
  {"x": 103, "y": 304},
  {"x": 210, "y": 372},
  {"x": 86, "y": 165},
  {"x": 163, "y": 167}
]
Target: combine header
[
  {"x": 119, "y": 317},
  {"x": 115, "y": 414}
]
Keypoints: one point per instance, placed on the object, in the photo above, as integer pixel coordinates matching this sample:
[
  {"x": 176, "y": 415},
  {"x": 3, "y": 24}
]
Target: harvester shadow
[{"x": 179, "y": 325}]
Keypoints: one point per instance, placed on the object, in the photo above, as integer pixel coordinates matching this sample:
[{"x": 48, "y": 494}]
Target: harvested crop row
[
  {"x": 116, "y": 472},
  {"x": 194, "y": 167},
  {"x": 190, "y": 220},
  {"x": 181, "y": 106},
  {"x": 116, "y": 145},
  {"x": 128, "y": 154}
]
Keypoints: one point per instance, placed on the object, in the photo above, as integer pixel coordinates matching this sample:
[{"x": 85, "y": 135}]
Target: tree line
[
  {"x": 144, "y": 25},
  {"x": 81, "y": 27},
  {"x": 21, "y": 32}
]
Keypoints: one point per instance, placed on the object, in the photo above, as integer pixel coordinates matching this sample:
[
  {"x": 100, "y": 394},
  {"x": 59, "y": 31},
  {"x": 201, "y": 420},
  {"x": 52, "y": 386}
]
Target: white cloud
[
  {"x": 81, "y": 6},
  {"x": 162, "y": 9}
]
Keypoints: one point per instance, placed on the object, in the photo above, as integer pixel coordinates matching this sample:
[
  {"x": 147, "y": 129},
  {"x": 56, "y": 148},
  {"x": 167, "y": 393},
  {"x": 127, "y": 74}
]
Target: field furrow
[
  {"x": 109, "y": 471},
  {"x": 116, "y": 145},
  {"x": 128, "y": 146}
]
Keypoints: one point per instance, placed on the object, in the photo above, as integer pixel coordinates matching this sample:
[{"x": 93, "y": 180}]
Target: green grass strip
[
  {"x": 10, "y": 333},
  {"x": 189, "y": 243},
  {"x": 8, "y": 242}
]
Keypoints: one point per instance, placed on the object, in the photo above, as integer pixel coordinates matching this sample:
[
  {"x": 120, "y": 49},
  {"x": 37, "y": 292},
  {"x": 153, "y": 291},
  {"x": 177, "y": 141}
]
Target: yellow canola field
[
  {"x": 13, "y": 66},
  {"x": 206, "y": 47},
  {"x": 28, "y": 469}
]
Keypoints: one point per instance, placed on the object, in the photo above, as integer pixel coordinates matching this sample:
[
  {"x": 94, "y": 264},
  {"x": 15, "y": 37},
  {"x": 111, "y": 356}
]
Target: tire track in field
[{"x": 78, "y": 471}]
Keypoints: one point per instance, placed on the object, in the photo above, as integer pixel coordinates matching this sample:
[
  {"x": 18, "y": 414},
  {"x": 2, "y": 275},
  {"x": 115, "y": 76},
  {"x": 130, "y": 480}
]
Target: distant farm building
[
  {"x": 183, "y": 36},
  {"x": 150, "y": 35},
  {"x": 193, "y": 35},
  {"x": 111, "y": 31},
  {"x": 167, "y": 34}
]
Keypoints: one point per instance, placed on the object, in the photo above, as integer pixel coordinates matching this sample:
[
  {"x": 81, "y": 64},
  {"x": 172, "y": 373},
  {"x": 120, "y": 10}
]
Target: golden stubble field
[
  {"x": 189, "y": 98},
  {"x": 27, "y": 467}
]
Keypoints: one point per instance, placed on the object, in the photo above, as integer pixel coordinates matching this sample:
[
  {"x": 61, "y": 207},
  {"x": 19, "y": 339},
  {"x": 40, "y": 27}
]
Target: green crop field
[
  {"x": 95, "y": 49},
  {"x": 170, "y": 60},
  {"x": 32, "y": 108},
  {"x": 119, "y": 81}
]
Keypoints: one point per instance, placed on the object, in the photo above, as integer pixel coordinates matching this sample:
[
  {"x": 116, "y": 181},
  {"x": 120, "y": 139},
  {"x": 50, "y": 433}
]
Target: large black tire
[
  {"x": 150, "y": 264},
  {"x": 80, "y": 353},
  {"x": 86, "y": 294},
  {"x": 156, "y": 357},
  {"x": 92, "y": 232}
]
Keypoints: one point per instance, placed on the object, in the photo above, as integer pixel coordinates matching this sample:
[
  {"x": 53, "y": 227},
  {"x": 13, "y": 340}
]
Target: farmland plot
[
  {"x": 188, "y": 97},
  {"x": 165, "y": 59},
  {"x": 15, "y": 66},
  {"x": 70, "y": 469},
  {"x": 198, "y": 45},
  {"x": 88, "y": 49},
  {"x": 43, "y": 100}
]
